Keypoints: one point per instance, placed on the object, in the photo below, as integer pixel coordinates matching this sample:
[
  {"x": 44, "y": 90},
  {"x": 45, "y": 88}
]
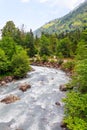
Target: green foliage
[
  {"x": 59, "y": 55},
  {"x": 64, "y": 47},
  {"x": 4, "y": 63},
  {"x": 9, "y": 30},
  {"x": 29, "y": 43},
  {"x": 44, "y": 46},
  {"x": 82, "y": 45},
  {"x": 37, "y": 58},
  {"x": 53, "y": 43},
  {"x": 20, "y": 64},
  {"x": 44, "y": 58},
  {"x": 76, "y": 123},
  {"x": 76, "y": 101},
  {"x": 76, "y": 111},
  {"x": 14, "y": 60},
  {"x": 60, "y": 62},
  {"x": 68, "y": 66},
  {"x": 80, "y": 78},
  {"x": 9, "y": 46},
  {"x": 77, "y": 19}
]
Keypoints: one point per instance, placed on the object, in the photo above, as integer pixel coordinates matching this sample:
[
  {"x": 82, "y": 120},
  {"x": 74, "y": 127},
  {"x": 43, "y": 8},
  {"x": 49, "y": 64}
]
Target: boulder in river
[
  {"x": 3, "y": 83},
  {"x": 8, "y": 79},
  {"x": 57, "y": 103},
  {"x": 5, "y": 80},
  {"x": 63, "y": 88},
  {"x": 63, "y": 125},
  {"x": 24, "y": 87},
  {"x": 10, "y": 99}
]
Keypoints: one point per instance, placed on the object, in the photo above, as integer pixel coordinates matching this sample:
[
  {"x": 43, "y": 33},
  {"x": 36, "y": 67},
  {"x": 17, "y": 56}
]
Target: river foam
[{"x": 36, "y": 109}]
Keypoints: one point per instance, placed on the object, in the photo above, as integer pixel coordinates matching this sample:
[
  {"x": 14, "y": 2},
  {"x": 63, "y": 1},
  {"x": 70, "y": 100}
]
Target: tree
[
  {"x": 44, "y": 46},
  {"x": 81, "y": 50},
  {"x": 3, "y": 62},
  {"x": 64, "y": 47},
  {"x": 80, "y": 78},
  {"x": 20, "y": 64},
  {"x": 9, "y": 29},
  {"x": 9, "y": 46},
  {"x": 29, "y": 41},
  {"x": 53, "y": 44},
  {"x": 37, "y": 44},
  {"x": 20, "y": 37}
]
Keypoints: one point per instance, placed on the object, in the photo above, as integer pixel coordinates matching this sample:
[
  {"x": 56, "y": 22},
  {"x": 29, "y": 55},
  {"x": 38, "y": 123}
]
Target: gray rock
[
  {"x": 24, "y": 87},
  {"x": 63, "y": 88}
]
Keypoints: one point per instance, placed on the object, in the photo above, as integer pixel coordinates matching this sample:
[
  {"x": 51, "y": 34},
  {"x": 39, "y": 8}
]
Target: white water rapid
[{"x": 36, "y": 109}]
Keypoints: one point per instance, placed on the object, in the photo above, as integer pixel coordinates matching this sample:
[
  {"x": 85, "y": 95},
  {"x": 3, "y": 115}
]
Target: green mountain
[{"x": 76, "y": 19}]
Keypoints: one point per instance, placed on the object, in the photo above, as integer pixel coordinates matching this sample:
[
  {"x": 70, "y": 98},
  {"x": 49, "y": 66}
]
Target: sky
[{"x": 34, "y": 13}]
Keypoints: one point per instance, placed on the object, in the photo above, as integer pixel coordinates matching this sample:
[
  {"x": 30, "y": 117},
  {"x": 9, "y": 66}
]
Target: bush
[
  {"x": 37, "y": 58},
  {"x": 9, "y": 46},
  {"x": 44, "y": 58},
  {"x": 60, "y": 62},
  {"x": 20, "y": 64},
  {"x": 80, "y": 78},
  {"x": 52, "y": 60},
  {"x": 68, "y": 66},
  {"x": 4, "y": 63},
  {"x": 76, "y": 111}
]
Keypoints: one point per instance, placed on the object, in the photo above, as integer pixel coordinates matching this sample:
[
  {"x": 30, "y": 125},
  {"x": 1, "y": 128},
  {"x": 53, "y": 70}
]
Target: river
[{"x": 36, "y": 109}]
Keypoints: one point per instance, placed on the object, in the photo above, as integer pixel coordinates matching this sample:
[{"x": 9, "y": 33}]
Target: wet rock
[
  {"x": 10, "y": 99},
  {"x": 63, "y": 88},
  {"x": 64, "y": 129},
  {"x": 63, "y": 125},
  {"x": 46, "y": 64},
  {"x": 3, "y": 83},
  {"x": 58, "y": 104},
  {"x": 8, "y": 79},
  {"x": 24, "y": 87}
]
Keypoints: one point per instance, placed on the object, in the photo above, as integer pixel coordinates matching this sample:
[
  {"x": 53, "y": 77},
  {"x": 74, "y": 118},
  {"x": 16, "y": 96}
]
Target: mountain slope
[{"x": 77, "y": 19}]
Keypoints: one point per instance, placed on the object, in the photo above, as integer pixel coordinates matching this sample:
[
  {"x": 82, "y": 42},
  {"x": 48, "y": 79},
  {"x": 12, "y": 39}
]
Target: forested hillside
[{"x": 76, "y": 19}]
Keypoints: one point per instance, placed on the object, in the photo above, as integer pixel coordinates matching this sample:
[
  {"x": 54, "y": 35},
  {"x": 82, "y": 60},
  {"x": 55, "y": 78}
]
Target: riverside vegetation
[{"x": 18, "y": 46}]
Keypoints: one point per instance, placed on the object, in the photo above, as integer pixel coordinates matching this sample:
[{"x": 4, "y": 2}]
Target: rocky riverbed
[{"x": 39, "y": 107}]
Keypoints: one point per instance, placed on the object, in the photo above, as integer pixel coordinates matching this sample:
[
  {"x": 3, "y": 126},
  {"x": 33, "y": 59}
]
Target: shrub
[
  {"x": 76, "y": 111},
  {"x": 68, "y": 66},
  {"x": 80, "y": 78},
  {"x": 60, "y": 62},
  {"x": 4, "y": 63},
  {"x": 20, "y": 64},
  {"x": 44, "y": 58}
]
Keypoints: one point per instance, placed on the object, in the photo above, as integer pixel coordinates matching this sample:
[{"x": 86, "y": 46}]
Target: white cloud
[
  {"x": 25, "y": 1},
  {"x": 71, "y": 4},
  {"x": 66, "y": 3},
  {"x": 43, "y": 1}
]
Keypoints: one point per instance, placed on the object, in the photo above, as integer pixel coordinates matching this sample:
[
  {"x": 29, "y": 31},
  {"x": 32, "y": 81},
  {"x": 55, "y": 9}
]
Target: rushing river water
[{"x": 36, "y": 109}]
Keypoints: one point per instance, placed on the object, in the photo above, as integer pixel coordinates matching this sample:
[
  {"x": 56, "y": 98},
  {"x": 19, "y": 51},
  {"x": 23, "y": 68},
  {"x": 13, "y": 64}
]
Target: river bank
[
  {"x": 8, "y": 79},
  {"x": 55, "y": 65}
]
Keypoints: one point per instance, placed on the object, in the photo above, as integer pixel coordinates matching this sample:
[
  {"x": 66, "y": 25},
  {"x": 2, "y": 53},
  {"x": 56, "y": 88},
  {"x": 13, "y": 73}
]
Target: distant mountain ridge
[{"x": 76, "y": 19}]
